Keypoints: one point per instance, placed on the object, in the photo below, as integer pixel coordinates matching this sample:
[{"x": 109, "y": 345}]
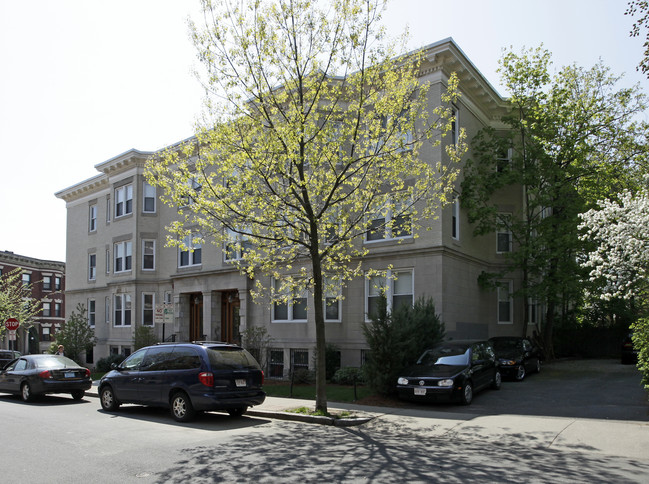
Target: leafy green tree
[
  {"x": 640, "y": 10},
  {"x": 573, "y": 138},
  {"x": 16, "y": 300},
  {"x": 144, "y": 336},
  {"x": 313, "y": 124},
  {"x": 397, "y": 340},
  {"x": 77, "y": 336}
]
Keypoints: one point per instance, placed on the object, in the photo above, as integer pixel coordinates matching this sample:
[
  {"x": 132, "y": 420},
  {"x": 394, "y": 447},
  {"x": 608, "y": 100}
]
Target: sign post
[{"x": 164, "y": 313}]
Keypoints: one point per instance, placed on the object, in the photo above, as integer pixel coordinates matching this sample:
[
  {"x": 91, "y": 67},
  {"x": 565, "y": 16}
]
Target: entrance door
[
  {"x": 196, "y": 317},
  {"x": 230, "y": 317}
]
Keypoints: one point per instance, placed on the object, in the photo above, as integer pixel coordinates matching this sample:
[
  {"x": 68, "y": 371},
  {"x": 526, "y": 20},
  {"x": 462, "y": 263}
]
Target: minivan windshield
[
  {"x": 445, "y": 355},
  {"x": 232, "y": 358}
]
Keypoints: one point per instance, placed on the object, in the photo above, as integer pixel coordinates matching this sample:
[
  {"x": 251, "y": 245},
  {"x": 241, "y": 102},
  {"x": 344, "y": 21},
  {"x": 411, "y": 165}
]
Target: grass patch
[
  {"x": 319, "y": 413},
  {"x": 335, "y": 393}
]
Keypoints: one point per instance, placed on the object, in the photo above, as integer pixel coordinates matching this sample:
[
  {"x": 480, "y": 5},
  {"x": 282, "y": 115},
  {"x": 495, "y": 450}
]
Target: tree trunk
[{"x": 318, "y": 310}]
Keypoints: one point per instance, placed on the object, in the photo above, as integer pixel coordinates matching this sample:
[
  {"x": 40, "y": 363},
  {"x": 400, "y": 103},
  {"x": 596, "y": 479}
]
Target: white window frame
[
  {"x": 150, "y": 310},
  {"x": 47, "y": 309},
  {"x": 387, "y": 227},
  {"x": 107, "y": 261},
  {"x": 92, "y": 218},
  {"x": 47, "y": 283},
  {"x": 148, "y": 193},
  {"x": 455, "y": 217},
  {"x": 145, "y": 254},
  {"x": 502, "y": 161},
  {"x": 332, "y": 295},
  {"x": 503, "y": 231},
  {"x": 123, "y": 252},
  {"x": 290, "y": 306},
  {"x": 57, "y": 309},
  {"x": 123, "y": 195},
  {"x": 92, "y": 267},
  {"x": 388, "y": 283},
  {"x": 533, "y": 311},
  {"x": 236, "y": 243},
  {"x": 92, "y": 313},
  {"x": 122, "y": 308},
  {"x": 505, "y": 285},
  {"x": 193, "y": 250},
  {"x": 107, "y": 309}
]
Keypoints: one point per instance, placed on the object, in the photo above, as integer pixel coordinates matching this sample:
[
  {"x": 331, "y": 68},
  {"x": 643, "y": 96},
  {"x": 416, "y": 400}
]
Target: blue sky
[{"x": 82, "y": 81}]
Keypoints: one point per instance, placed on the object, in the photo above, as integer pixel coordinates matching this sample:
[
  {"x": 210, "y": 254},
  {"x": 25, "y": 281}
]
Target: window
[
  {"x": 533, "y": 310},
  {"x": 107, "y": 309},
  {"x": 57, "y": 309},
  {"x": 294, "y": 309},
  {"x": 397, "y": 287},
  {"x": 92, "y": 218},
  {"x": 148, "y": 305},
  {"x": 455, "y": 217},
  {"x": 276, "y": 365},
  {"x": 107, "y": 261},
  {"x": 123, "y": 254},
  {"x": 332, "y": 299},
  {"x": 148, "y": 201},
  {"x": 92, "y": 267},
  {"x": 107, "y": 210},
  {"x": 122, "y": 310},
  {"x": 193, "y": 185},
  {"x": 27, "y": 278},
  {"x": 123, "y": 200},
  {"x": 503, "y": 234},
  {"x": 190, "y": 255},
  {"x": 57, "y": 283},
  {"x": 455, "y": 125},
  {"x": 236, "y": 246},
  {"x": 299, "y": 359},
  {"x": 91, "y": 312},
  {"x": 148, "y": 255},
  {"x": 47, "y": 283},
  {"x": 46, "y": 334},
  {"x": 47, "y": 309},
  {"x": 390, "y": 223},
  {"x": 505, "y": 302},
  {"x": 504, "y": 160}
]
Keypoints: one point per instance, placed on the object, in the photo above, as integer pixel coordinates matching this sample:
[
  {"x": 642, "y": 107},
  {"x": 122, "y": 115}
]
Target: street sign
[
  {"x": 164, "y": 313},
  {"x": 11, "y": 336},
  {"x": 12, "y": 324}
]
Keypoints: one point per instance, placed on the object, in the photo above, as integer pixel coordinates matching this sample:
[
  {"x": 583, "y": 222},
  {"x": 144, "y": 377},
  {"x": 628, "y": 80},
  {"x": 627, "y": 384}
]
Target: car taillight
[
  {"x": 262, "y": 377},
  {"x": 45, "y": 374},
  {"x": 206, "y": 378},
  {"x": 87, "y": 373}
]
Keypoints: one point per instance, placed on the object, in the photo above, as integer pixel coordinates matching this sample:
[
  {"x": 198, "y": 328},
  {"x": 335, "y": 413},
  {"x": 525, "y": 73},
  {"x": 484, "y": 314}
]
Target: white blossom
[{"x": 620, "y": 230}]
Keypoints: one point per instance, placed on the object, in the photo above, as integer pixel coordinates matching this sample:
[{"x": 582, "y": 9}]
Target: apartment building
[
  {"x": 47, "y": 279},
  {"x": 120, "y": 266}
]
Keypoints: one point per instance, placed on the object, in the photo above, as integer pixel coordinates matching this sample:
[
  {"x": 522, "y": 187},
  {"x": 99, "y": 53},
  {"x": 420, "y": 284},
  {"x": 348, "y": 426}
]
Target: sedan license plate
[
  {"x": 68, "y": 374},
  {"x": 420, "y": 391},
  {"x": 240, "y": 382}
]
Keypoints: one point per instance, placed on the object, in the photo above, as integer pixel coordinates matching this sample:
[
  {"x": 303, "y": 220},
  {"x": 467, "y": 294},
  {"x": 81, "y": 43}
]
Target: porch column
[{"x": 208, "y": 332}]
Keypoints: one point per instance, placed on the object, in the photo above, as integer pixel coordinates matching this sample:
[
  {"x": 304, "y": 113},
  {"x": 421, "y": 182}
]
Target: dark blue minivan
[{"x": 186, "y": 378}]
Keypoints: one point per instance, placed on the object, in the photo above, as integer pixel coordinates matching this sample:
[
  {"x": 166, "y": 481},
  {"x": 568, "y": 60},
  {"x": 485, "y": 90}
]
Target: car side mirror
[{"x": 113, "y": 366}]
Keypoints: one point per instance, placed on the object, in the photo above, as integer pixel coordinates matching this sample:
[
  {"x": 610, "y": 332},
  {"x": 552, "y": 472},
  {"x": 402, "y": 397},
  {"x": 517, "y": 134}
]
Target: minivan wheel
[
  {"x": 467, "y": 393},
  {"x": 237, "y": 412},
  {"x": 182, "y": 409},
  {"x": 108, "y": 400}
]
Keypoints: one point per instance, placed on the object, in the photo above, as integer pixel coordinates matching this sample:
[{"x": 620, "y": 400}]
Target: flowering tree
[
  {"x": 313, "y": 126},
  {"x": 16, "y": 299},
  {"x": 619, "y": 261}
]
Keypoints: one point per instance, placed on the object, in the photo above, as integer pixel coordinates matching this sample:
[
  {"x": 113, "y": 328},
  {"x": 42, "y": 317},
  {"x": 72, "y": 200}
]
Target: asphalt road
[{"x": 504, "y": 436}]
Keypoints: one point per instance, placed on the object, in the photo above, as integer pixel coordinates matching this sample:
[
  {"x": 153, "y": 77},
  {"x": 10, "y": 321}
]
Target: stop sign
[{"x": 12, "y": 324}]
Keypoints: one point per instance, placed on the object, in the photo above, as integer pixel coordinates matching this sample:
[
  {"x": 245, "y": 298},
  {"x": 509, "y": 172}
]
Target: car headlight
[
  {"x": 445, "y": 383},
  {"x": 402, "y": 381},
  {"x": 507, "y": 362}
]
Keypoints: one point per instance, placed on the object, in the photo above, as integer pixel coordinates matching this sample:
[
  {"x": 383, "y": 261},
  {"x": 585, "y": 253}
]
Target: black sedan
[
  {"x": 453, "y": 370},
  {"x": 516, "y": 356},
  {"x": 32, "y": 375}
]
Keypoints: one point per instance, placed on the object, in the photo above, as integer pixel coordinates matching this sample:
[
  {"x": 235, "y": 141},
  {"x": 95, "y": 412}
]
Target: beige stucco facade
[{"x": 212, "y": 301}]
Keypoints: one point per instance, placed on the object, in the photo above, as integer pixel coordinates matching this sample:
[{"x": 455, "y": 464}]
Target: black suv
[{"x": 186, "y": 378}]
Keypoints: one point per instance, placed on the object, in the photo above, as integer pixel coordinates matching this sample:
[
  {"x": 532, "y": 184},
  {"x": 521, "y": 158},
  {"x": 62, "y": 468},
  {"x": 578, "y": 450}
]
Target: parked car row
[
  {"x": 184, "y": 377},
  {"x": 456, "y": 370}
]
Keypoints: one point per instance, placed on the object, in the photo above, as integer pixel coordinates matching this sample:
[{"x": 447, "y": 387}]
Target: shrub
[
  {"x": 348, "y": 375},
  {"x": 302, "y": 375},
  {"x": 104, "y": 364},
  {"x": 641, "y": 343},
  {"x": 397, "y": 340}
]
